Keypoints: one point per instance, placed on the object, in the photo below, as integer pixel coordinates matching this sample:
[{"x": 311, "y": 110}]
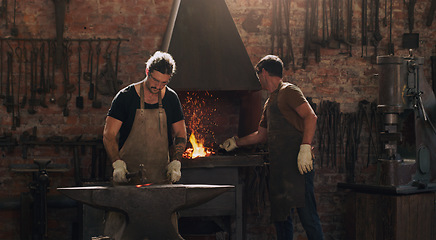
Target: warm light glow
[
  {"x": 143, "y": 185},
  {"x": 199, "y": 116},
  {"x": 197, "y": 150}
]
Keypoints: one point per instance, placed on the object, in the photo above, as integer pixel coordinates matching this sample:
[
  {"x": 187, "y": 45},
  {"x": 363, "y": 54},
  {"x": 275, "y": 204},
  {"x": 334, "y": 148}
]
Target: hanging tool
[
  {"x": 377, "y": 37},
  {"x": 9, "y": 100},
  {"x": 33, "y": 66},
  {"x": 68, "y": 88},
  {"x": 385, "y": 18},
  {"x": 10, "y": 103},
  {"x": 19, "y": 53},
  {"x": 79, "y": 98},
  {"x": 47, "y": 75},
  {"x": 26, "y": 63},
  {"x": 4, "y": 12},
  {"x": 411, "y": 40},
  {"x": 433, "y": 72},
  {"x": 390, "y": 44},
  {"x": 281, "y": 35},
  {"x": 307, "y": 39},
  {"x": 14, "y": 29},
  {"x": 95, "y": 102},
  {"x": 411, "y": 14},
  {"x": 87, "y": 76},
  {"x": 364, "y": 28},
  {"x": 430, "y": 15},
  {"x": 117, "y": 60},
  {"x": 53, "y": 86},
  {"x": 107, "y": 76},
  {"x": 2, "y": 96},
  {"x": 60, "y": 6},
  {"x": 42, "y": 80},
  {"x": 289, "y": 56}
]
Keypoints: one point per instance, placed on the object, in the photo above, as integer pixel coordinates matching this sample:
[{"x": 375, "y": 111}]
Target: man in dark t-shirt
[
  {"x": 126, "y": 102},
  {"x": 136, "y": 139},
  {"x": 148, "y": 118}
]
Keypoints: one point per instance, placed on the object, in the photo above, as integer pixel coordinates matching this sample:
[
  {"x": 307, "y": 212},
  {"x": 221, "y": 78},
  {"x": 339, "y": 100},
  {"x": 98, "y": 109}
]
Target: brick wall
[{"x": 337, "y": 77}]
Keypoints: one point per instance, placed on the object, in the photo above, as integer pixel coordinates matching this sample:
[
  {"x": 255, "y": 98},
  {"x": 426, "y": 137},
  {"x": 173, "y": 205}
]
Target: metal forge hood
[{"x": 207, "y": 48}]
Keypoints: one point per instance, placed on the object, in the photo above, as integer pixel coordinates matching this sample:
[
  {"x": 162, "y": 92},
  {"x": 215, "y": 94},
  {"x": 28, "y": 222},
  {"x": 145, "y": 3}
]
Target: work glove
[
  {"x": 173, "y": 171},
  {"x": 305, "y": 163},
  {"x": 229, "y": 144},
  {"x": 120, "y": 171}
]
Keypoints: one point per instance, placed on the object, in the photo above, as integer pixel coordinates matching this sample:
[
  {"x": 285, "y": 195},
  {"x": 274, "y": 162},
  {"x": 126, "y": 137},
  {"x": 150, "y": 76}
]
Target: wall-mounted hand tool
[
  {"x": 26, "y": 63},
  {"x": 4, "y": 12},
  {"x": 42, "y": 79},
  {"x": 14, "y": 29},
  {"x": 411, "y": 40},
  {"x": 68, "y": 87},
  {"x": 87, "y": 76},
  {"x": 19, "y": 53},
  {"x": 2, "y": 96},
  {"x": 53, "y": 86},
  {"x": 108, "y": 82},
  {"x": 95, "y": 102},
  {"x": 390, "y": 44},
  {"x": 9, "y": 100},
  {"x": 79, "y": 98},
  {"x": 431, "y": 12},
  {"x": 117, "y": 57},
  {"x": 364, "y": 28},
  {"x": 433, "y": 72},
  {"x": 33, "y": 73},
  {"x": 60, "y": 6}
]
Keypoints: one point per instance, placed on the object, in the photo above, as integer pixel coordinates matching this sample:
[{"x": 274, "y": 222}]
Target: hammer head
[{"x": 139, "y": 176}]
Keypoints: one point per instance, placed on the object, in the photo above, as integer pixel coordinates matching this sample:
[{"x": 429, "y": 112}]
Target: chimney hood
[{"x": 207, "y": 48}]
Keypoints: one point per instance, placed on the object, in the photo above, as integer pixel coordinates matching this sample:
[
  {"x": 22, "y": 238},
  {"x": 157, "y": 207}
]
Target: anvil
[{"x": 149, "y": 209}]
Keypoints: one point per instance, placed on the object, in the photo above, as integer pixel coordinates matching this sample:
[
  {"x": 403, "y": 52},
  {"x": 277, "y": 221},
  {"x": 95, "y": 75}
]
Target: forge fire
[{"x": 199, "y": 121}]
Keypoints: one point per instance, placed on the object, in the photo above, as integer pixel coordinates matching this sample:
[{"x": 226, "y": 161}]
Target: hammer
[{"x": 140, "y": 174}]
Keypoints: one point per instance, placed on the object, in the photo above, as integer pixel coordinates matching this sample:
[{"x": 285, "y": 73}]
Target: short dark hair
[
  {"x": 272, "y": 64},
  {"x": 162, "y": 62}
]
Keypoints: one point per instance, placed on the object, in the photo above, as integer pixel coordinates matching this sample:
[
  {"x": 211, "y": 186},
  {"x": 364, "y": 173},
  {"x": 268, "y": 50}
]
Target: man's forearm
[
  {"x": 111, "y": 147},
  {"x": 178, "y": 148},
  {"x": 259, "y": 136},
  {"x": 309, "y": 129}
]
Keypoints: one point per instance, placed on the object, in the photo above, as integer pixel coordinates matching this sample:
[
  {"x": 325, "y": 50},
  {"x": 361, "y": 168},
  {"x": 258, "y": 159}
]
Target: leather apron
[
  {"x": 147, "y": 143},
  {"x": 287, "y": 185}
]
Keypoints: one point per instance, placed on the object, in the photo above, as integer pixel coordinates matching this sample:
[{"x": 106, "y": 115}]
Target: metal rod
[{"x": 66, "y": 39}]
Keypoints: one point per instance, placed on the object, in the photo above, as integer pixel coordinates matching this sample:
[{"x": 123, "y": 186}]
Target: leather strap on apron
[
  {"x": 286, "y": 184},
  {"x": 147, "y": 143}
]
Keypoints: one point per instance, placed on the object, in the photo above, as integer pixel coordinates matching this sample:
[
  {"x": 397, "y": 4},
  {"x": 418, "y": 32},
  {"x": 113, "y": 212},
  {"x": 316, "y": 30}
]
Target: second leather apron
[
  {"x": 286, "y": 184},
  {"x": 147, "y": 143}
]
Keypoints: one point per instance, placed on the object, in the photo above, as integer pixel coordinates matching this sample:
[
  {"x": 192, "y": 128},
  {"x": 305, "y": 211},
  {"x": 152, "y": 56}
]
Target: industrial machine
[{"x": 408, "y": 106}]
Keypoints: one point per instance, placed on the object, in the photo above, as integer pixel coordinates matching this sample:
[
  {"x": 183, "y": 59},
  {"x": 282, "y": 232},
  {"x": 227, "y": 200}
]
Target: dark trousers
[{"x": 308, "y": 216}]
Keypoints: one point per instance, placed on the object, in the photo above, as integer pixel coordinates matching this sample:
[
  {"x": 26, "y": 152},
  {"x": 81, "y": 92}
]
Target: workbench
[{"x": 389, "y": 212}]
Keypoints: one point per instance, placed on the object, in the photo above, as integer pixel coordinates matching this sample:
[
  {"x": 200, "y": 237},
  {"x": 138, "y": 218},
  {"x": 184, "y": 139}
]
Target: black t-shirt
[{"x": 126, "y": 102}]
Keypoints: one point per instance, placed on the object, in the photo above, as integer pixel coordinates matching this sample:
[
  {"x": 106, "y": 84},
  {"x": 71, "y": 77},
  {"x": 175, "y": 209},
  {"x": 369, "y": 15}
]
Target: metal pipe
[{"x": 66, "y": 39}]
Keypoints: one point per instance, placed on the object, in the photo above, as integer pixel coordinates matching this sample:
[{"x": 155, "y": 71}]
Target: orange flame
[
  {"x": 197, "y": 150},
  {"x": 199, "y": 114}
]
